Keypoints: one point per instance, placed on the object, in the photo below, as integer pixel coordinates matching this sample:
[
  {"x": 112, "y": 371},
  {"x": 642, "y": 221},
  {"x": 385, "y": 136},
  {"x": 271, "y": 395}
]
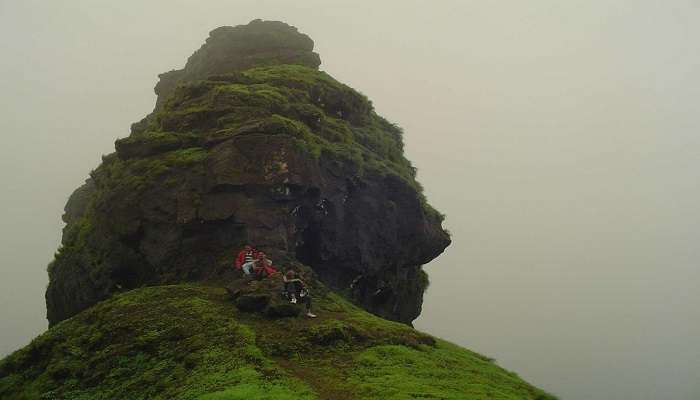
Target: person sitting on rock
[
  {"x": 246, "y": 259},
  {"x": 263, "y": 266},
  {"x": 296, "y": 291}
]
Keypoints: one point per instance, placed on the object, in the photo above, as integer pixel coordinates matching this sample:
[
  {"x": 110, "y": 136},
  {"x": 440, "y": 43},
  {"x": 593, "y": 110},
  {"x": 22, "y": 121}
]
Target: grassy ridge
[{"x": 189, "y": 342}]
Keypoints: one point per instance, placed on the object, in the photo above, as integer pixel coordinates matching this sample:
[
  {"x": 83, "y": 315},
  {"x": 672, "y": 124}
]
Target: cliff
[{"x": 251, "y": 143}]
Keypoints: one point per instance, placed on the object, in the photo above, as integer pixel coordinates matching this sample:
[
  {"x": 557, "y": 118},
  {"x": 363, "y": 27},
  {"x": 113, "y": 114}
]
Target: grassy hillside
[{"x": 190, "y": 342}]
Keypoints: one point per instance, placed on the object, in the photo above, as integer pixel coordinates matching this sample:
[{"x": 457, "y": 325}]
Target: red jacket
[
  {"x": 240, "y": 259},
  {"x": 263, "y": 267}
]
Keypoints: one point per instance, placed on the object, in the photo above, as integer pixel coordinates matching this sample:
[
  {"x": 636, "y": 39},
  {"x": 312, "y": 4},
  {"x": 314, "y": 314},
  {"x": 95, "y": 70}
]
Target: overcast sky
[{"x": 559, "y": 137}]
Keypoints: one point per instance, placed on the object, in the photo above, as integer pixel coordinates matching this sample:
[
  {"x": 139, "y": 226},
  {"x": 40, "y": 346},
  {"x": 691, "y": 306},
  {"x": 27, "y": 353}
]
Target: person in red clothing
[
  {"x": 246, "y": 259},
  {"x": 263, "y": 266}
]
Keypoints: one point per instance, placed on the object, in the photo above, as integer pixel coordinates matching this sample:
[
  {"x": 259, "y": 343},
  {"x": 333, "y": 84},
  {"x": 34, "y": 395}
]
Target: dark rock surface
[
  {"x": 256, "y": 146},
  {"x": 265, "y": 296}
]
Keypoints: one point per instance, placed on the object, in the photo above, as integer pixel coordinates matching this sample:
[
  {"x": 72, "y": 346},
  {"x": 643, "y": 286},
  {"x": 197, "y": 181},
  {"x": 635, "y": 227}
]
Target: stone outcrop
[
  {"x": 266, "y": 296},
  {"x": 236, "y": 48},
  {"x": 250, "y": 143}
]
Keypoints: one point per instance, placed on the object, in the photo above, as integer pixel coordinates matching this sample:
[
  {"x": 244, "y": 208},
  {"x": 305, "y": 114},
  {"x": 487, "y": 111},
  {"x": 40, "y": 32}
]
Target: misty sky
[{"x": 559, "y": 137}]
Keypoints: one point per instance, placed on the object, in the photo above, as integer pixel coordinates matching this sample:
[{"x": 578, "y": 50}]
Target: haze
[{"x": 560, "y": 138}]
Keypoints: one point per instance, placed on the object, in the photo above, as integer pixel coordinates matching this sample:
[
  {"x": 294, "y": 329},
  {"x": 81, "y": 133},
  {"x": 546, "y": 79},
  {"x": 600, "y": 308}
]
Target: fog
[{"x": 560, "y": 138}]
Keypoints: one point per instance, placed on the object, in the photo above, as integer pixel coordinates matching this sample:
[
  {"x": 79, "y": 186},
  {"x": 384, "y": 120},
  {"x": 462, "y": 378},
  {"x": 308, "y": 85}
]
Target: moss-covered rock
[
  {"x": 251, "y": 143},
  {"x": 151, "y": 143},
  {"x": 235, "y": 48}
]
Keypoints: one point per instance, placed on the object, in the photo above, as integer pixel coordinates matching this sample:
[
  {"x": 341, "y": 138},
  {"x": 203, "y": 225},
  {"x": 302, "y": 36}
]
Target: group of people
[
  {"x": 251, "y": 261},
  {"x": 255, "y": 263}
]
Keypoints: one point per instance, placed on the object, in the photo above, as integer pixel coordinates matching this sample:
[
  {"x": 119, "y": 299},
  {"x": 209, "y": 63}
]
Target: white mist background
[{"x": 560, "y": 138}]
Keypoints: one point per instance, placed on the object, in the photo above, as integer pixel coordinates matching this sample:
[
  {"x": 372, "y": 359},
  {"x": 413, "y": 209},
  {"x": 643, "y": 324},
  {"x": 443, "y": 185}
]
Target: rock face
[
  {"x": 250, "y": 143},
  {"x": 236, "y": 48}
]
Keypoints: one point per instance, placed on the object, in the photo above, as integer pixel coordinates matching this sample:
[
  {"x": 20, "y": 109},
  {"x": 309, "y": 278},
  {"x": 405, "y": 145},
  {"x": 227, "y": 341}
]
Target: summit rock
[{"x": 251, "y": 143}]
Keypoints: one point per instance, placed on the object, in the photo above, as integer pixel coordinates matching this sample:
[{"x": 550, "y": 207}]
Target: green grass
[
  {"x": 190, "y": 342},
  {"x": 162, "y": 342},
  {"x": 443, "y": 372}
]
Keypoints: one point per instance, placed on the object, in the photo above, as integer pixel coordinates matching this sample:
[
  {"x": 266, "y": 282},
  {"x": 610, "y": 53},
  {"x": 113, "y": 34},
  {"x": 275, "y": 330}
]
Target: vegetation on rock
[
  {"x": 250, "y": 142},
  {"x": 322, "y": 114}
]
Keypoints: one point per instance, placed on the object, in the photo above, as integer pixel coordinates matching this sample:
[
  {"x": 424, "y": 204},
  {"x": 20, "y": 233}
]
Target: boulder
[
  {"x": 251, "y": 143},
  {"x": 265, "y": 296}
]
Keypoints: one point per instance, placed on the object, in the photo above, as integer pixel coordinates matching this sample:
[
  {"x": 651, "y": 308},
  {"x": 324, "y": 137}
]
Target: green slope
[{"x": 190, "y": 342}]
